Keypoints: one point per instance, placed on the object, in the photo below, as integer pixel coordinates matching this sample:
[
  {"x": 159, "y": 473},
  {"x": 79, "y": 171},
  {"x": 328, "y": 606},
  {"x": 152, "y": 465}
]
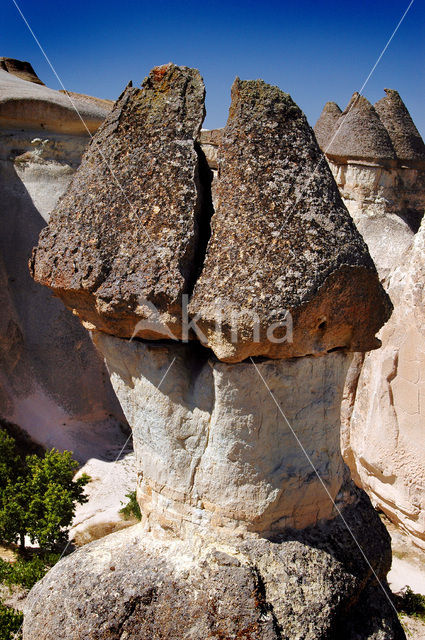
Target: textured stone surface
[
  {"x": 386, "y": 199},
  {"x": 361, "y": 134},
  {"x": 404, "y": 135},
  {"x": 307, "y": 585},
  {"x": 128, "y": 233},
  {"x": 282, "y": 240},
  {"x": 325, "y": 126},
  {"x": 384, "y": 442},
  {"x": 211, "y": 446}
]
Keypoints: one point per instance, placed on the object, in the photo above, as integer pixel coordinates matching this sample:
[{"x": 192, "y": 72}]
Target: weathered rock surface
[
  {"x": 26, "y": 105},
  {"x": 53, "y": 384},
  {"x": 242, "y": 534},
  {"x": 386, "y": 198},
  {"x": 304, "y": 586},
  {"x": 212, "y": 449},
  {"x": 397, "y": 120},
  {"x": 282, "y": 241},
  {"x": 384, "y": 415},
  {"x": 106, "y": 492},
  {"x": 326, "y": 124},
  {"x": 20, "y": 69},
  {"x": 384, "y": 441},
  {"x": 359, "y": 134},
  {"x": 128, "y": 228}
]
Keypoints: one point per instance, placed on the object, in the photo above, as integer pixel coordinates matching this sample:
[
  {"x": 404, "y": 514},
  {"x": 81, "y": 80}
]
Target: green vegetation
[
  {"x": 38, "y": 495},
  {"x": 411, "y": 604},
  {"x": 10, "y": 623},
  {"x": 27, "y": 571},
  {"x": 131, "y": 509}
]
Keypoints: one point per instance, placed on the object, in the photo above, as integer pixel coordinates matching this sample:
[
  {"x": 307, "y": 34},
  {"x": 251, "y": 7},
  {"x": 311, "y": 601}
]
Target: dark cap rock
[
  {"x": 359, "y": 134},
  {"x": 405, "y": 137},
  {"x": 325, "y": 126},
  {"x": 282, "y": 240},
  {"x": 21, "y": 69},
  {"x": 124, "y": 235}
]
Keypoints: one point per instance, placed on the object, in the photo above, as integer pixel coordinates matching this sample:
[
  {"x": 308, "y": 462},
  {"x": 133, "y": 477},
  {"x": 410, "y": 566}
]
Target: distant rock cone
[
  {"x": 326, "y": 124},
  {"x": 121, "y": 246},
  {"x": 405, "y": 137},
  {"x": 283, "y": 246},
  {"x": 361, "y": 134},
  {"x": 20, "y": 69}
]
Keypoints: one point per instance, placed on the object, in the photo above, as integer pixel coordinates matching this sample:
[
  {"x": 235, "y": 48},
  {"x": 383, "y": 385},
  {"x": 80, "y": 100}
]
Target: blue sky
[{"x": 316, "y": 51}]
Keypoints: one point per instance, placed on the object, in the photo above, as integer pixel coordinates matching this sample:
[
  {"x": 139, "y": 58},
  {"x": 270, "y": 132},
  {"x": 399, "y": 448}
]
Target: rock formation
[
  {"x": 138, "y": 197},
  {"x": 384, "y": 399},
  {"x": 20, "y": 69},
  {"x": 377, "y": 158},
  {"x": 52, "y": 382},
  {"x": 112, "y": 288},
  {"x": 266, "y": 194},
  {"x": 248, "y": 511}
]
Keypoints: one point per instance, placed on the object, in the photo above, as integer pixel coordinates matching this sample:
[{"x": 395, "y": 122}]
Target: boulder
[
  {"x": 128, "y": 228},
  {"x": 304, "y": 585},
  {"x": 286, "y": 272}
]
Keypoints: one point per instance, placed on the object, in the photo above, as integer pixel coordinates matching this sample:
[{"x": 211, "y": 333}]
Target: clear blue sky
[{"x": 316, "y": 51}]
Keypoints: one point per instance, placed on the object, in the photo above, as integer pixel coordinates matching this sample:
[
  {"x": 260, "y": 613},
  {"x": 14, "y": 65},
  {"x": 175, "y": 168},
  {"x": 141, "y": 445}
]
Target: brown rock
[
  {"x": 405, "y": 137},
  {"x": 126, "y": 234},
  {"x": 361, "y": 134},
  {"x": 326, "y": 124},
  {"x": 20, "y": 69},
  {"x": 282, "y": 240}
]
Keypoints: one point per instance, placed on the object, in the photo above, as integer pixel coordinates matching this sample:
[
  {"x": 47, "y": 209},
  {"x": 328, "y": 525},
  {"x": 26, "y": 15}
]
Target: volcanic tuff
[
  {"x": 127, "y": 228},
  {"x": 282, "y": 240}
]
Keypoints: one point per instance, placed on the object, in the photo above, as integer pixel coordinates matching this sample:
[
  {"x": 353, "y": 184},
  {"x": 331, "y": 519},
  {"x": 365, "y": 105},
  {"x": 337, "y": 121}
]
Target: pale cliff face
[{"x": 384, "y": 409}]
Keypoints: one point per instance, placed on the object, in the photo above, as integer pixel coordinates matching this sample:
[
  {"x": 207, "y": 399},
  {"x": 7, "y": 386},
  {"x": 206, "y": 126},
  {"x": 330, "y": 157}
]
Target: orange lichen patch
[{"x": 159, "y": 72}]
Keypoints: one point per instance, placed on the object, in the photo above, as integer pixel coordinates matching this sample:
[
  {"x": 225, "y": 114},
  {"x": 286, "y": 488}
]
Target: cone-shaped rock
[
  {"x": 326, "y": 124},
  {"x": 282, "y": 240},
  {"x": 405, "y": 137},
  {"x": 361, "y": 134},
  {"x": 123, "y": 237}
]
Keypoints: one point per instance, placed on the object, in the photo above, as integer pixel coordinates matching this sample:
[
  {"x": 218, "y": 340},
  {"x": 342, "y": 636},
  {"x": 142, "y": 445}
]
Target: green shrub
[
  {"x": 38, "y": 495},
  {"x": 10, "y": 622},
  {"x": 412, "y": 604},
  {"x": 27, "y": 571},
  {"x": 131, "y": 509}
]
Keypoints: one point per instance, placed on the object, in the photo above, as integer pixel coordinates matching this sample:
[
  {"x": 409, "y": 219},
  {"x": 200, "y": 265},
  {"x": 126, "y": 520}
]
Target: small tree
[{"x": 39, "y": 499}]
